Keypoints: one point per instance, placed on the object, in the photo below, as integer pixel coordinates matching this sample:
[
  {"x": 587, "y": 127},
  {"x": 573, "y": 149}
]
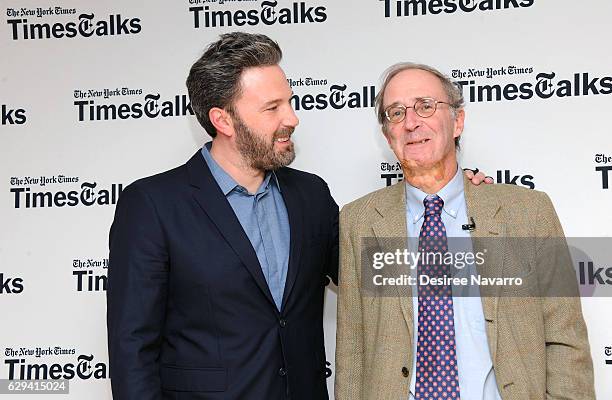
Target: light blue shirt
[
  {"x": 476, "y": 376},
  {"x": 264, "y": 218}
]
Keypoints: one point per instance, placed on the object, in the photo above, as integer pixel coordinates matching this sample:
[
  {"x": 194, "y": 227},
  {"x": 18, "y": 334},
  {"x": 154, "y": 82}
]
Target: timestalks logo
[
  {"x": 86, "y": 26},
  {"x": 151, "y": 107},
  {"x": 89, "y": 281},
  {"x": 89, "y": 195},
  {"x": 90, "y": 274},
  {"x": 545, "y": 87},
  {"x": 337, "y": 98},
  {"x": 392, "y": 173},
  {"x": 10, "y": 285},
  {"x": 12, "y": 116},
  {"x": 509, "y": 178},
  {"x": 83, "y": 368},
  {"x": 589, "y": 275},
  {"x": 408, "y": 8},
  {"x": 604, "y": 169},
  {"x": 268, "y": 14}
]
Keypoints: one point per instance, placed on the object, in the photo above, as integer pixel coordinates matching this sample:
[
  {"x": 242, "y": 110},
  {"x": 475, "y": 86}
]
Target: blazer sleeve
[
  {"x": 136, "y": 297},
  {"x": 569, "y": 367},
  {"x": 349, "y": 335},
  {"x": 332, "y": 255}
]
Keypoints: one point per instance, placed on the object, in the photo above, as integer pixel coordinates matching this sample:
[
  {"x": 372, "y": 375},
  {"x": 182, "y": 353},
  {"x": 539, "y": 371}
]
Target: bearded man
[{"x": 217, "y": 267}]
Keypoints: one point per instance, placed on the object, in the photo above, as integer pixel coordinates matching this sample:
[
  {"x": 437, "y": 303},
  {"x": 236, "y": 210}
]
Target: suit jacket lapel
[
  {"x": 212, "y": 201},
  {"x": 392, "y": 225},
  {"x": 294, "y": 204},
  {"x": 490, "y": 235}
]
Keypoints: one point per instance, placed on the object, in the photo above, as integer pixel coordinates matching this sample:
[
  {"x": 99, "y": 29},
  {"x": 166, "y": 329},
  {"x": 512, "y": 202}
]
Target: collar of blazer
[
  {"x": 483, "y": 205},
  {"x": 213, "y": 202}
]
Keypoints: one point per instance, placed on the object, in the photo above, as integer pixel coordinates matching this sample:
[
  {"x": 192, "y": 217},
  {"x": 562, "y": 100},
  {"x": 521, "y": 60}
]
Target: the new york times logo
[
  {"x": 604, "y": 169},
  {"x": 268, "y": 13},
  {"x": 151, "y": 106},
  {"x": 409, "y": 8},
  {"x": 84, "y": 367},
  {"x": 38, "y": 351},
  {"x": 86, "y": 25},
  {"x": 392, "y": 173},
  {"x": 490, "y": 72},
  {"x": 87, "y": 194},
  {"x": 90, "y": 274},
  {"x": 105, "y": 93},
  {"x": 308, "y": 81},
  {"x": 13, "y": 116},
  {"x": 545, "y": 85},
  {"x": 337, "y": 97},
  {"x": 10, "y": 285}
]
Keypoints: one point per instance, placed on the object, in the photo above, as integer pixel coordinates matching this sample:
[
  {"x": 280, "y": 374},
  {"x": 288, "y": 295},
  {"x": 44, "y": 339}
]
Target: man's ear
[
  {"x": 384, "y": 132},
  {"x": 221, "y": 120},
  {"x": 459, "y": 122}
]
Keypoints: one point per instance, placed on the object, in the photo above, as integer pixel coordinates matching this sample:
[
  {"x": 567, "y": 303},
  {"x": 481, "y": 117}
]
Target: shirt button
[
  {"x": 405, "y": 372},
  {"x": 283, "y": 323},
  {"x": 282, "y": 372}
]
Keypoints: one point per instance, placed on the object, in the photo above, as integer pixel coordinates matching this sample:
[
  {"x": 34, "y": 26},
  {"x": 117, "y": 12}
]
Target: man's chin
[
  {"x": 418, "y": 167},
  {"x": 281, "y": 159},
  {"x": 416, "y": 164},
  {"x": 286, "y": 157}
]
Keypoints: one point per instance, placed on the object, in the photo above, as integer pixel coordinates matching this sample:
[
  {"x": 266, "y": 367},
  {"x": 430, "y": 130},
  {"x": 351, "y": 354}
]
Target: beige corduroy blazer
[{"x": 538, "y": 345}]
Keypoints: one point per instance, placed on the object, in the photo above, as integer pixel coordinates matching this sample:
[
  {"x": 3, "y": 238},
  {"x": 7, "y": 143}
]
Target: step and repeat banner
[{"x": 92, "y": 97}]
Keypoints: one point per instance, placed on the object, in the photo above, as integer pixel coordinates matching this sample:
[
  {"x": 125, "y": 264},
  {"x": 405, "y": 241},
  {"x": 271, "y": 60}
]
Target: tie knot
[{"x": 433, "y": 204}]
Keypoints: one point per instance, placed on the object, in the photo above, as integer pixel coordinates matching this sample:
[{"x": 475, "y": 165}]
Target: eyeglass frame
[{"x": 420, "y": 100}]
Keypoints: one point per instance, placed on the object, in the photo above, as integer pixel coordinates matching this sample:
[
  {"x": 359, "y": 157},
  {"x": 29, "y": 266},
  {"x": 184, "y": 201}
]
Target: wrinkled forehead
[{"x": 412, "y": 84}]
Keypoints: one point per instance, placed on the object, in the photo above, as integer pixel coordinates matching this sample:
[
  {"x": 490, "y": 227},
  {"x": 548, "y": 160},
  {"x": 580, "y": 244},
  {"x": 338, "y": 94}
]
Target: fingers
[
  {"x": 469, "y": 173},
  {"x": 477, "y": 177}
]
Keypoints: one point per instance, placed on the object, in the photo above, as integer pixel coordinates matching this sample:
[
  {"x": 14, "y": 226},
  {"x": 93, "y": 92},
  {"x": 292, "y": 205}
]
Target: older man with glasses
[{"x": 425, "y": 338}]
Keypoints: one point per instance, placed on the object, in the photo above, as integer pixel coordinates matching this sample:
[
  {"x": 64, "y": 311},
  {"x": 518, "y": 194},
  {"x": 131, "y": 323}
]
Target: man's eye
[{"x": 273, "y": 108}]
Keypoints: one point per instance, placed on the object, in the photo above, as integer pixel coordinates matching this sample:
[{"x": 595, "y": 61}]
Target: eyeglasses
[{"x": 424, "y": 107}]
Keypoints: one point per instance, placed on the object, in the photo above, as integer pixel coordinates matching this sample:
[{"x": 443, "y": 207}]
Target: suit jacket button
[
  {"x": 405, "y": 372},
  {"x": 282, "y": 372},
  {"x": 283, "y": 323}
]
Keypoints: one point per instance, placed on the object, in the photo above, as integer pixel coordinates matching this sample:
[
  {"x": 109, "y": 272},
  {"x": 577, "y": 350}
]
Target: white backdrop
[{"x": 57, "y": 57}]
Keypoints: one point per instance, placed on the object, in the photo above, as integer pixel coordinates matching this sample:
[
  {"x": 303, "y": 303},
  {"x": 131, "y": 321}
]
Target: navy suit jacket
[{"x": 190, "y": 315}]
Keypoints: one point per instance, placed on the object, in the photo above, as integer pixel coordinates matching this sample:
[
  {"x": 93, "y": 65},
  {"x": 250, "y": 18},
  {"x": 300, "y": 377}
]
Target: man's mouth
[
  {"x": 282, "y": 139},
  {"x": 422, "y": 141}
]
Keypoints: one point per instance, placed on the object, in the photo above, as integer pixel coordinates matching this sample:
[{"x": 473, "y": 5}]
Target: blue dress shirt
[
  {"x": 263, "y": 216},
  {"x": 476, "y": 376}
]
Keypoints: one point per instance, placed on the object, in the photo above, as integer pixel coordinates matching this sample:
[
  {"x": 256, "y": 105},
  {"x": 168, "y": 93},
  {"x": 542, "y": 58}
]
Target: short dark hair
[{"x": 214, "y": 79}]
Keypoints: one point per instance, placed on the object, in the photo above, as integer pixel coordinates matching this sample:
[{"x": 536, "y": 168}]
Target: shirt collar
[
  {"x": 450, "y": 194},
  {"x": 226, "y": 182}
]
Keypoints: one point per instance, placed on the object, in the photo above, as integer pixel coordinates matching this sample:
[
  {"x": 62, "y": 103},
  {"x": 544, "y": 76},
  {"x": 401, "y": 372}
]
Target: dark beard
[{"x": 257, "y": 152}]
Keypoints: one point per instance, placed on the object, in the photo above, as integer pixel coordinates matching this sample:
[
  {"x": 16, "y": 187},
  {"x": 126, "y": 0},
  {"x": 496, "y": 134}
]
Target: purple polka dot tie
[{"x": 437, "y": 376}]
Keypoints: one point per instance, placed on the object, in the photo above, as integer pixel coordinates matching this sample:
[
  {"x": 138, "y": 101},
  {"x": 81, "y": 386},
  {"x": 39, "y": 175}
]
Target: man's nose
[
  {"x": 411, "y": 119},
  {"x": 291, "y": 119}
]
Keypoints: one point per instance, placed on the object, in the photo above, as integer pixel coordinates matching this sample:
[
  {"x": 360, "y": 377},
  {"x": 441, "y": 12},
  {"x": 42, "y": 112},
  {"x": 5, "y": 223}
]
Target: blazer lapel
[
  {"x": 392, "y": 225},
  {"x": 294, "y": 204},
  {"x": 213, "y": 202},
  {"x": 489, "y": 237}
]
